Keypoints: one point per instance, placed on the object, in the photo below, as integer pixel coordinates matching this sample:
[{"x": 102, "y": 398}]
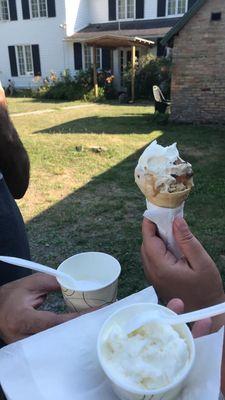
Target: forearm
[{"x": 14, "y": 161}]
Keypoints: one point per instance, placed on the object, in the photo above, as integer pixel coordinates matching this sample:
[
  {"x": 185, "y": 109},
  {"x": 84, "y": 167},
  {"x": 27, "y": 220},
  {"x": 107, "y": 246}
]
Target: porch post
[
  {"x": 133, "y": 74},
  {"x": 95, "y": 72}
]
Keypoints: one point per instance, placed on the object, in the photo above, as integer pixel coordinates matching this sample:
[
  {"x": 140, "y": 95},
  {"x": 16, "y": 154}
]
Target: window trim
[
  {"x": 176, "y": 14},
  {"x": 39, "y": 17},
  {"x": 9, "y": 19},
  {"x": 27, "y": 74},
  {"x": 92, "y": 57},
  {"x": 125, "y": 19}
]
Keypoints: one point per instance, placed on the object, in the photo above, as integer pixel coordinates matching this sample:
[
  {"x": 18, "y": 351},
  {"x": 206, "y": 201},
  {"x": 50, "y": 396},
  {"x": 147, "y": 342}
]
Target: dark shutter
[
  {"x": 77, "y": 55},
  {"x": 112, "y": 10},
  {"x": 36, "y": 60},
  {"x": 106, "y": 59},
  {"x": 26, "y": 9},
  {"x": 139, "y": 8},
  {"x": 51, "y": 8},
  {"x": 12, "y": 10},
  {"x": 161, "y": 12},
  {"x": 191, "y": 3},
  {"x": 12, "y": 59}
]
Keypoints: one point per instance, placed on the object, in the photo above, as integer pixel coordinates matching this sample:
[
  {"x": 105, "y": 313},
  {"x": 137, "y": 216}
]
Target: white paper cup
[
  {"x": 100, "y": 268},
  {"x": 126, "y": 391}
]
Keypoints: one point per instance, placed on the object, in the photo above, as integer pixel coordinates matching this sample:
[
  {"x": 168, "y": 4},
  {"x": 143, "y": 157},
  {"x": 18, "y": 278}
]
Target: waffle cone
[{"x": 147, "y": 184}]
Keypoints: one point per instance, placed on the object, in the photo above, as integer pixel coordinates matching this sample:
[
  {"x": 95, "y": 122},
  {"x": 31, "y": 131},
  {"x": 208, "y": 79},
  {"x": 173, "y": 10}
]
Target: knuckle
[{"x": 187, "y": 237}]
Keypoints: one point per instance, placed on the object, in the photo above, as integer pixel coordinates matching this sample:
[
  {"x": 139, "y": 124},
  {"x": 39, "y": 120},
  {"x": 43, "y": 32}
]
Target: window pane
[
  {"x": 181, "y": 7},
  {"x": 130, "y": 8},
  {"x": 171, "y": 7},
  {"x": 87, "y": 57},
  {"x": 21, "y": 60},
  {"x": 29, "y": 64},
  {"x": 121, "y": 9},
  {"x": 43, "y": 8},
  {"x": 4, "y": 12},
  {"x": 34, "y": 8}
]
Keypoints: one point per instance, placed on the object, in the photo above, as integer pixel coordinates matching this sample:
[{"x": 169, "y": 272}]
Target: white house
[{"x": 40, "y": 36}]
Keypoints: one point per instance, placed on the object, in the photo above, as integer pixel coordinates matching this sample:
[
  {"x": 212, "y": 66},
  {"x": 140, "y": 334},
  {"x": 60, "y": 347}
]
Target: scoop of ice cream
[
  {"x": 163, "y": 177},
  {"x": 149, "y": 358},
  {"x": 170, "y": 172}
]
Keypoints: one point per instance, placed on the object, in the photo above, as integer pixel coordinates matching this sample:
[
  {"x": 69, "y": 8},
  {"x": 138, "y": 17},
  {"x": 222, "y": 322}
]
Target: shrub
[
  {"x": 66, "y": 87},
  {"x": 150, "y": 71}
]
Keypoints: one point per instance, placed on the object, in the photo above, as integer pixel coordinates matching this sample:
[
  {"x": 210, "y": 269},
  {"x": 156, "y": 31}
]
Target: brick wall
[{"x": 198, "y": 83}]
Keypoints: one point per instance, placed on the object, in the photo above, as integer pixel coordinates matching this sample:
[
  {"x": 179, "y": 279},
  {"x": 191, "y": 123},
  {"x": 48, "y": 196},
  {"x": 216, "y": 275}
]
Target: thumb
[
  {"x": 38, "y": 321},
  {"x": 189, "y": 245}
]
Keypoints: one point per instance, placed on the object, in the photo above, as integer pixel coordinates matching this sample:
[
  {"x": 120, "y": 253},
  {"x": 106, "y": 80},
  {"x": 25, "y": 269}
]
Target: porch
[{"x": 117, "y": 52}]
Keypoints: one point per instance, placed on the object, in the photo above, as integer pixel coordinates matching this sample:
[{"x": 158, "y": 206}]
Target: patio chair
[{"x": 161, "y": 103}]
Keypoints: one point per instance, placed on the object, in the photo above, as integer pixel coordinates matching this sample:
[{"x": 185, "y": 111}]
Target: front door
[{"x": 125, "y": 61}]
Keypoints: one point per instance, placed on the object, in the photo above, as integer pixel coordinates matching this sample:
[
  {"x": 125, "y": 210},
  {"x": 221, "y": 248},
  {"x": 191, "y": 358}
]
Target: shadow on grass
[
  {"x": 97, "y": 124},
  {"x": 105, "y": 215}
]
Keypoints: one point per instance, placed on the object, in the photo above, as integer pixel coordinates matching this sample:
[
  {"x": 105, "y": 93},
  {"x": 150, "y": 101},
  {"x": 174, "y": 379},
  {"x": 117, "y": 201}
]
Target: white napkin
[
  {"x": 163, "y": 218},
  {"x": 61, "y": 363}
]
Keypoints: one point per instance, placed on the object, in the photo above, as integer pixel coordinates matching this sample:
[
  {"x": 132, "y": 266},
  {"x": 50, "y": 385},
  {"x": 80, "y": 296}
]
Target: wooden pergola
[{"x": 113, "y": 42}]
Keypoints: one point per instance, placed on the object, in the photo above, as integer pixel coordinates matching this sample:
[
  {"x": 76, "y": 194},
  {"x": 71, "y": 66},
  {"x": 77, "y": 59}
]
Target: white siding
[
  {"x": 45, "y": 32},
  {"x": 98, "y": 11},
  {"x": 77, "y": 15}
]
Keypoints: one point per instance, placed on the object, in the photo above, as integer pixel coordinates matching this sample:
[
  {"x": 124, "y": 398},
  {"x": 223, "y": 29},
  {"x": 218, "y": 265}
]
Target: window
[
  {"x": 176, "y": 7},
  {"x": 24, "y": 60},
  {"x": 216, "y": 16},
  {"x": 38, "y": 8},
  {"x": 125, "y": 9},
  {"x": 88, "y": 57},
  {"x": 4, "y": 10}
]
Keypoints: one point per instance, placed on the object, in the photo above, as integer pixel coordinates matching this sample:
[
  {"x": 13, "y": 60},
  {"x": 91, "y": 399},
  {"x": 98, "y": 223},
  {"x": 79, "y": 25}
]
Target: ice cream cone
[{"x": 147, "y": 183}]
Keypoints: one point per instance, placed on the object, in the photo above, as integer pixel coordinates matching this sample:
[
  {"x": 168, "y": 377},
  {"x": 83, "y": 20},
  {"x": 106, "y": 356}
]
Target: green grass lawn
[
  {"x": 26, "y": 104},
  {"x": 87, "y": 200}
]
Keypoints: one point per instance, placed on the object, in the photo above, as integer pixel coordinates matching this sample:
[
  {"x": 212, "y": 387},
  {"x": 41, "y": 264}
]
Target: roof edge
[{"x": 182, "y": 22}]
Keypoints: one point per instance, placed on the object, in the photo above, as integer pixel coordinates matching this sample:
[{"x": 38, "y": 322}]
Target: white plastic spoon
[
  {"x": 41, "y": 268},
  {"x": 176, "y": 319}
]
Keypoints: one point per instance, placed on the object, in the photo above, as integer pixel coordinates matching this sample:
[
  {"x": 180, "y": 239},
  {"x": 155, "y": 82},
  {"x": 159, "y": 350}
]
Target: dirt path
[{"x": 49, "y": 110}]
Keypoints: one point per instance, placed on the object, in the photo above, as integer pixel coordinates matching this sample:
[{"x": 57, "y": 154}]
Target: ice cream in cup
[
  {"x": 151, "y": 362},
  {"x": 96, "y": 276}
]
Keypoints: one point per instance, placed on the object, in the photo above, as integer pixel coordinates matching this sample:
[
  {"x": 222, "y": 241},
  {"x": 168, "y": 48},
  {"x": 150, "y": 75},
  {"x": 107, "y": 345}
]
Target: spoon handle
[
  {"x": 34, "y": 266},
  {"x": 197, "y": 315}
]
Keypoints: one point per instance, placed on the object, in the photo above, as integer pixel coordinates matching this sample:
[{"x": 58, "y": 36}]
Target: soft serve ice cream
[
  {"x": 163, "y": 177},
  {"x": 149, "y": 358}
]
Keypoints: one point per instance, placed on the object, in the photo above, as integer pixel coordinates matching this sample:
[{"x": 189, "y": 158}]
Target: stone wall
[{"x": 198, "y": 82}]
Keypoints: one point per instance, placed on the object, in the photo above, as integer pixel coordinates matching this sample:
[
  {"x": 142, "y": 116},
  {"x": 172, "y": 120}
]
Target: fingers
[
  {"x": 148, "y": 228},
  {"x": 189, "y": 245},
  {"x": 154, "y": 247},
  {"x": 37, "y": 321},
  {"x": 42, "y": 283},
  {"x": 176, "y": 305},
  {"x": 202, "y": 328}
]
